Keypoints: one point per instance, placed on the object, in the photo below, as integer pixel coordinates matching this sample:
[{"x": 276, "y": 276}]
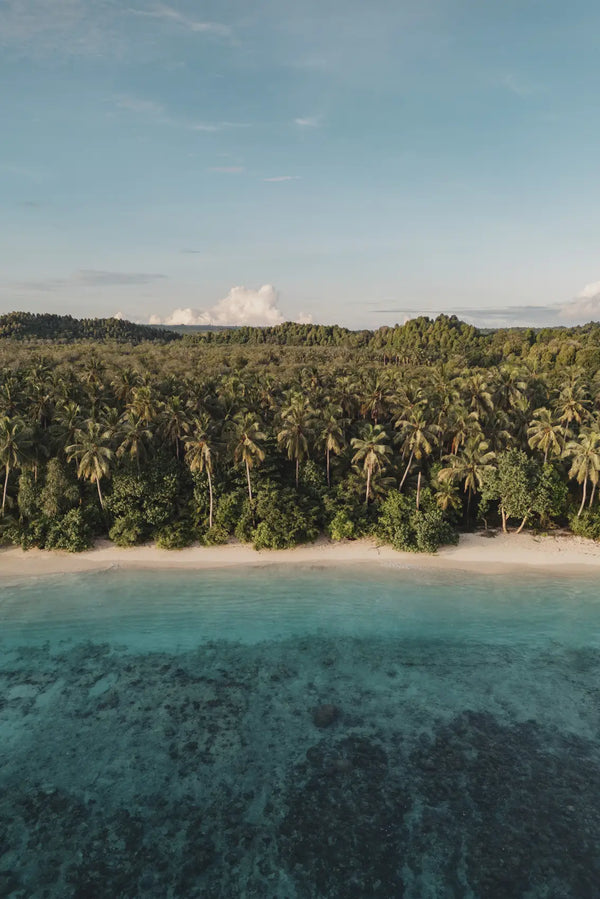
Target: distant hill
[{"x": 46, "y": 326}]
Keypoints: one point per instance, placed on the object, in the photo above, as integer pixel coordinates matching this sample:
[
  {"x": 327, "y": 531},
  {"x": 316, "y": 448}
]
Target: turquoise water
[{"x": 299, "y": 732}]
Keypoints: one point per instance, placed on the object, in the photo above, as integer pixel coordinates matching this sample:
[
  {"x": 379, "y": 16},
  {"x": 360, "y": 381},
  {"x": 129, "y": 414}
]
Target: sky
[{"x": 339, "y": 161}]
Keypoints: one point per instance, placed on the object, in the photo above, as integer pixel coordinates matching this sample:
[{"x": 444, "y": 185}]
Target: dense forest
[{"x": 275, "y": 435}]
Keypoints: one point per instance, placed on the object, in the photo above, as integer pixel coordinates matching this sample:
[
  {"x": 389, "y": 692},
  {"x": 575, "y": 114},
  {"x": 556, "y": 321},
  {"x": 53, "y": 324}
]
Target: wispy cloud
[
  {"x": 139, "y": 105},
  {"x": 217, "y": 126},
  {"x": 518, "y": 85},
  {"x": 168, "y": 14},
  {"x": 278, "y": 178},
  {"x": 158, "y": 113},
  {"x": 40, "y": 28},
  {"x": 100, "y": 278},
  {"x": 89, "y": 278},
  {"x": 227, "y": 169},
  {"x": 309, "y": 121}
]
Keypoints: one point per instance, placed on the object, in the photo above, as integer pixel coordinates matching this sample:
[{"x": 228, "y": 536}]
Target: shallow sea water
[{"x": 162, "y": 734}]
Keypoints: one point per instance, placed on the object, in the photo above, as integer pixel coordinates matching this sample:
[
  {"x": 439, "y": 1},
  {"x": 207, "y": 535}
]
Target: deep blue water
[{"x": 300, "y": 732}]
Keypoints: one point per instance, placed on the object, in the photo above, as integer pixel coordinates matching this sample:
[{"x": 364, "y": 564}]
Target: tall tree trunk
[
  {"x": 418, "y": 490},
  {"x": 297, "y": 471},
  {"x": 210, "y": 494},
  {"x": 5, "y": 487},
  {"x": 504, "y": 528},
  {"x": 522, "y": 525},
  {"x": 99, "y": 493},
  {"x": 593, "y": 495},
  {"x": 584, "y": 497},
  {"x": 368, "y": 486},
  {"x": 546, "y": 455},
  {"x": 406, "y": 470},
  {"x": 248, "y": 477},
  {"x": 328, "y": 480}
]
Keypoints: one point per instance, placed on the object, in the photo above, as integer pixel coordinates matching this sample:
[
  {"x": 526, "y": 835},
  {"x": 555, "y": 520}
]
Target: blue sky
[{"x": 353, "y": 162}]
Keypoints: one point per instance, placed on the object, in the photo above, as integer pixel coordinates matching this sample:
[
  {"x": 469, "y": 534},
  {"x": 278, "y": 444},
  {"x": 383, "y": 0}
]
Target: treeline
[
  {"x": 46, "y": 326},
  {"x": 274, "y": 444},
  {"x": 421, "y": 341}
]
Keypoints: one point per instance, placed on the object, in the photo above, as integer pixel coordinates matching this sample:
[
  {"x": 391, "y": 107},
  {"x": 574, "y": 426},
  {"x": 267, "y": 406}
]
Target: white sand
[{"x": 560, "y": 554}]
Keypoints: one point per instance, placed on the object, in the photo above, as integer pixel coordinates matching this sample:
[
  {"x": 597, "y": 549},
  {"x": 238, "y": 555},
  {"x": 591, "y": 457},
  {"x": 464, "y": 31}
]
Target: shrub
[
  {"x": 128, "y": 530},
  {"x": 412, "y": 530},
  {"x": 71, "y": 532},
  {"x": 587, "y": 525},
  {"x": 341, "y": 527},
  {"x": 216, "y": 536},
  {"x": 285, "y": 518},
  {"x": 175, "y": 536}
]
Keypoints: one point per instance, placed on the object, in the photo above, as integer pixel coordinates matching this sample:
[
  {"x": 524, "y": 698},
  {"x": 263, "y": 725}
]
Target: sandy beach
[{"x": 477, "y": 552}]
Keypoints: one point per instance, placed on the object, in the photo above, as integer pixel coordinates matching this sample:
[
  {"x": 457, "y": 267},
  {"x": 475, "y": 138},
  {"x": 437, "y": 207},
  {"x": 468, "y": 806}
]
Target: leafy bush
[
  {"x": 341, "y": 526},
  {"x": 412, "y": 530},
  {"x": 216, "y": 536},
  {"x": 285, "y": 518},
  {"x": 175, "y": 536},
  {"x": 71, "y": 532},
  {"x": 128, "y": 530},
  {"x": 587, "y": 525}
]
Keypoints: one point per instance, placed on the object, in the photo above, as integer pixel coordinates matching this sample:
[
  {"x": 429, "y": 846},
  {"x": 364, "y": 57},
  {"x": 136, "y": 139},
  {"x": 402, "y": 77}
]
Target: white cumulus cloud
[
  {"x": 586, "y": 305},
  {"x": 241, "y": 306}
]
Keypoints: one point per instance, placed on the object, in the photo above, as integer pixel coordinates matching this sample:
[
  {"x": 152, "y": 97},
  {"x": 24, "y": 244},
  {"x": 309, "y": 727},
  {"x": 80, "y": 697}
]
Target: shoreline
[{"x": 475, "y": 552}]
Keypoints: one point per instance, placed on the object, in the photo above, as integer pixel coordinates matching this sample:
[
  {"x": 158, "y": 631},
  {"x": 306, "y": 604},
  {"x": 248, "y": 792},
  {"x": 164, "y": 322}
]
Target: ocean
[{"x": 300, "y": 731}]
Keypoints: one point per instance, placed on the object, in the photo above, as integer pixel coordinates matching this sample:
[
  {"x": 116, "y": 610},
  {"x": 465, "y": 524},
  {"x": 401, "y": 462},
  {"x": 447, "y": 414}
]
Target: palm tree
[
  {"x": 332, "y": 435},
  {"x": 297, "y": 419},
  {"x": 417, "y": 436},
  {"x": 373, "y": 450},
  {"x": 174, "y": 421},
  {"x": 585, "y": 453},
  {"x": 543, "y": 433},
  {"x": 247, "y": 443},
  {"x": 15, "y": 440},
  {"x": 572, "y": 404},
  {"x": 199, "y": 456},
  {"x": 92, "y": 455},
  {"x": 469, "y": 467},
  {"x": 136, "y": 438}
]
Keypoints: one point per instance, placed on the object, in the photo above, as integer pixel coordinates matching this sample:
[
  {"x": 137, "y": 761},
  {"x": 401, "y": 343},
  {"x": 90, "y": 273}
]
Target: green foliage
[
  {"x": 587, "y": 525},
  {"x": 128, "y": 530},
  {"x": 71, "y": 533},
  {"x": 341, "y": 526},
  {"x": 175, "y": 536},
  {"x": 28, "y": 497},
  {"x": 216, "y": 536},
  {"x": 229, "y": 510},
  {"x": 60, "y": 491},
  {"x": 285, "y": 518},
  {"x": 524, "y": 489},
  {"x": 410, "y": 530}
]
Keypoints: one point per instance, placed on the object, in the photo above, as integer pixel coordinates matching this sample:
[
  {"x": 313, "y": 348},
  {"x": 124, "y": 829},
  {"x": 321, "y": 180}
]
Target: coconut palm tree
[
  {"x": 543, "y": 433},
  {"x": 15, "y": 440},
  {"x": 572, "y": 405},
  {"x": 331, "y": 436},
  {"x": 297, "y": 422},
  {"x": 92, "y": 455},
  {"x": 373, "y": 450},
  {"x": 199, "y": 455},
  {"x": 136, "y": 438},
  {"x": 585, "y": 456},
  {"x": 247, "y": 440},
  {"x": 469, "y": 467},
  {"x": 417, "y": 436},
  {"x": 175, "y": 423}
]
